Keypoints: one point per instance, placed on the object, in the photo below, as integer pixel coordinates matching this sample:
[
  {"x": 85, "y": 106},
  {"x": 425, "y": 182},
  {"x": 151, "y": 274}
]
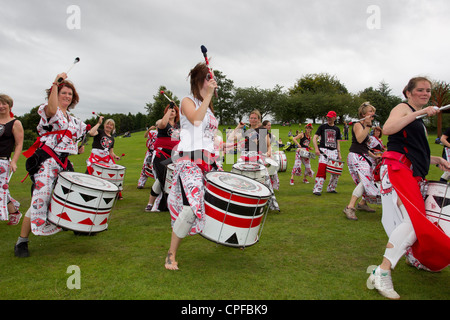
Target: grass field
[{"x": 309, "y": 251}]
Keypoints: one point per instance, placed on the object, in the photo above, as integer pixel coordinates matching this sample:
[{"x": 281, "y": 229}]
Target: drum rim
[
  {"x": 237, "y": 192},
  {"x": 103, "y": 165},
  {"x": 437, "y": 181},
  {"x": 63, "y": 173}
]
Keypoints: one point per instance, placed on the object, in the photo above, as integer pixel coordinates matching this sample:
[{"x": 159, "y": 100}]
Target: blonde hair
[
  {"x": 6, "y": 99},
  {"x": 256, "y": 111},
  {"x": 364, "y": 108},
  {"x": 113, "y": 123}
]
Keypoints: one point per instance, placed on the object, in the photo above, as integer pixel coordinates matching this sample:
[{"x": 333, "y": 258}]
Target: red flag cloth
[{"x": 432, "y": 247}]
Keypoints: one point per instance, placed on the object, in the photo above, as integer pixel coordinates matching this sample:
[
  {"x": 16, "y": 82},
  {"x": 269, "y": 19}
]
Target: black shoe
[
  {"x": 317, "y": 193},
  {"x": 332, "y": 191},
  {"x": 21, "y": 250}
]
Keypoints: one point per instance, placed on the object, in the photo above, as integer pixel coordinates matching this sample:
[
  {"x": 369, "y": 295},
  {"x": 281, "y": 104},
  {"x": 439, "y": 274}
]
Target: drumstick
[
  {"x": 74, "y": 63},
  {"x": 204, "y": 51},
  {"x": 163, "y": 93},
  {"x": 6, "y": 185},
  {"x": 437, "y": 108}
]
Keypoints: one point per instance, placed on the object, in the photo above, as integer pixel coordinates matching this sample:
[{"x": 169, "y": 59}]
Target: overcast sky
[{"x": 128, "y": 49}]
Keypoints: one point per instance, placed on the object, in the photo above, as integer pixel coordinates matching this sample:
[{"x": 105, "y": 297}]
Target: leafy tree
[
  {"x": 223, "y": 104},
  {"x": 155, "y": 110},
  {"x": 381, "y": 99},
  {"x": 315, "y": 94}
]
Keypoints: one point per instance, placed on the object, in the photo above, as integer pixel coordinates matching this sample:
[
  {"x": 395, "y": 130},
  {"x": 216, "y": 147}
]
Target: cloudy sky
[{"x": 128, "y": 49}]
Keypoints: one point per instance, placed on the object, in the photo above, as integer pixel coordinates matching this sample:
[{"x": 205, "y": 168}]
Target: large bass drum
[
  {"x": 82, "y": 202},
  {"x": 235, "y": 209}
]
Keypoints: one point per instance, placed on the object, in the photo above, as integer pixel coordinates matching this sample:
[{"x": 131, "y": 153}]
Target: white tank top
[{"x": 197, "y": 137}]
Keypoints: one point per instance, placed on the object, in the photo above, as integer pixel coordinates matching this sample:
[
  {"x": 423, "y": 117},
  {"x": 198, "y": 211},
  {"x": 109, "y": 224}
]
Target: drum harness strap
[
  {"x": 199, "y": 157},
  {"x": 41, "y": 145},
  {"x": 392, "y": 155}
]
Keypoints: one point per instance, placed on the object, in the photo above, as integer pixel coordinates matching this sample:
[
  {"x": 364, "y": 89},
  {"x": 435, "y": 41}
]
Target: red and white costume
[
  {"x": 189, "y": 171},
  {"x": 58, "y": 134}
]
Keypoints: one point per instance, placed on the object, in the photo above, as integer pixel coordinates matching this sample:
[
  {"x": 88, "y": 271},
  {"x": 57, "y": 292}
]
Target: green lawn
[{"x": 308, "y": 251}]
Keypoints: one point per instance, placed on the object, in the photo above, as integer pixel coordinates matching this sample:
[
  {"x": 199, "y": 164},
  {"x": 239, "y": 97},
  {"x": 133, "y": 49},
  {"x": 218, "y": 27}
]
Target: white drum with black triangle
[
  {"x": 113, "y": 173},
  {"x": 81, "y": 202},
  {"x": 234, "y": 209},
  {"x": 437, "y": 205}
]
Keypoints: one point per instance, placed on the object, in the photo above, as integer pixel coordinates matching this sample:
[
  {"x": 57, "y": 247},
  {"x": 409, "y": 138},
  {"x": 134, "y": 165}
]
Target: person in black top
[
  {"x": 167, "y": 140},
  {"x": 305, "y": 139},
  {"x": 360, "y": 163},
  {"x": 329, "y": 148},
  {"x": 256, "y": 148},
  {"x": 11, "y": 140},
  {"x": 103, "y": 146},
  {"x": 403, "y": 171}
]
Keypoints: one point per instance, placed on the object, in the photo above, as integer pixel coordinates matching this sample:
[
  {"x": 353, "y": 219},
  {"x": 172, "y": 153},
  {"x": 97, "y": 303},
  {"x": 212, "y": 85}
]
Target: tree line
[{"x": 311, "y": 97}]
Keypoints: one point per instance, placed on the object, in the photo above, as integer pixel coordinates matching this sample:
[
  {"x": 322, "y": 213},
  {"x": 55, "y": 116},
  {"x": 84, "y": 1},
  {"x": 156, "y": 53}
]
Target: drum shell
[
  {"x": 113, "y": 173},
  {"x": 148, "y": 170},
  {"x": 272, "y": 166},
  {"x": 81, "y": 202},
  {"x": 281, "y": 158},
  {"x": 252, "y": 170},
  {"x": 234, "y": 218},
  {"x": 335, "y": 166},
  {"x": 169, "y": 177},
  {"x": 437, "y": 205}
]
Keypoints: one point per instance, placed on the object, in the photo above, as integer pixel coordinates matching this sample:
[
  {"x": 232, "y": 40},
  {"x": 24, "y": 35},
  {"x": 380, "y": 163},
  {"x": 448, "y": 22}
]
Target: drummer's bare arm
[
  {"x": 339, "y": 150},
  {"x": 316, "y": 148},
  {"x": 443, "y": 164},
  {"x": 236, "y": 133},
  {"x": 269, "y": 147},
  {"x": 18, "y": 134},
  {"x": 444, "y": 140},
  {"x": 299, "y": 136},
  {"x": 94, "y": 130}
]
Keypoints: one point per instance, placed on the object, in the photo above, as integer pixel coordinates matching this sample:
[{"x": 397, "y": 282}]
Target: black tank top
[
  {"x": 7, "y": 140},
  {"x": 356, "y": 147},
  {"x": 413, "y": 143}
]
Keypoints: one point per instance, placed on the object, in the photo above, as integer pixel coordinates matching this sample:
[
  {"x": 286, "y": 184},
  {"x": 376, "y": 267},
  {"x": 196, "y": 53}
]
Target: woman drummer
[
  {"x": 302, "y": 140},
  {"x": 404, "y": 168},
  {"x": 360, "y": 164},
  {"x": 151, "y": 135},
  {"x": 196, "y": 153},
  {"x": 166, "y": 142},
  {"x": 103, "y": 146},
  {"x": 59, "y": 132},
  {"x": 11, "y": 140},
  {"x": 256, "y": 146}
]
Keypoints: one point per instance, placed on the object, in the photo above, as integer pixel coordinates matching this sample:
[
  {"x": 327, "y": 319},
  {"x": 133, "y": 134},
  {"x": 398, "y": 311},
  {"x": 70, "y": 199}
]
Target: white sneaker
[{"x": 382, "y": 281}]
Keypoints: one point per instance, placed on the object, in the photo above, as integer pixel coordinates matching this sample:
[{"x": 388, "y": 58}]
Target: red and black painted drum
[
  {"x": 335, "y": 166},
  {"x": 82, "y": 202},
  {"x": 235, "y": 209}
]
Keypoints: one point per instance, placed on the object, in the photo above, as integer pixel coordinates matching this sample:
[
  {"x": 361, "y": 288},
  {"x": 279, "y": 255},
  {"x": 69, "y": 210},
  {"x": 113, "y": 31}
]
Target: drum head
[
  {"x": 248, "y": 166},
  {"x": 86, "y": 180},
  {"x": 239, "y": 184}
]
